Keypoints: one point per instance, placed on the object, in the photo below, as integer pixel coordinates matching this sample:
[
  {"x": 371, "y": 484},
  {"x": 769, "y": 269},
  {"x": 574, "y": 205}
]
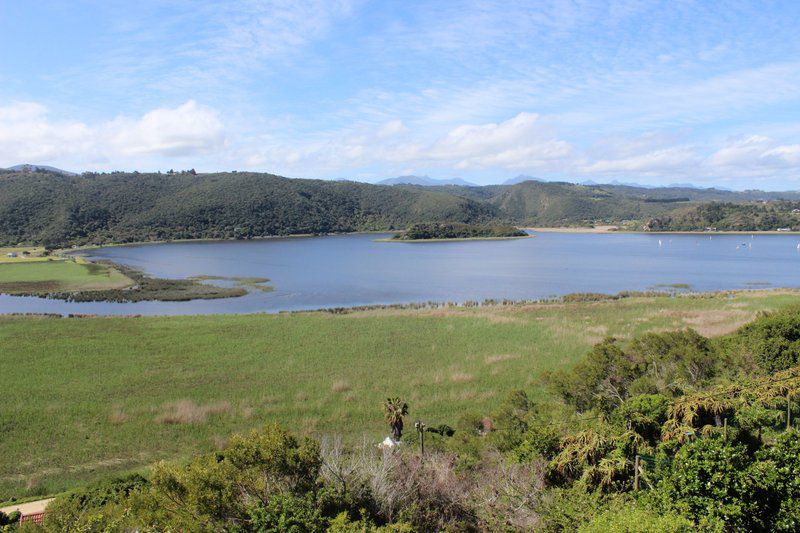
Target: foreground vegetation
[
  {"x": 86, "y": 397},
  {"x": 47, "y": 208},
  {"x": 665, "y": 430},
  {"x": 449, "y": 231}
]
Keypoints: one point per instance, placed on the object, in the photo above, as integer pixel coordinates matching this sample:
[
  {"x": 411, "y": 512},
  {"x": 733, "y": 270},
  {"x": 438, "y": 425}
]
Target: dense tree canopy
[{"x": 41, "y": 207}]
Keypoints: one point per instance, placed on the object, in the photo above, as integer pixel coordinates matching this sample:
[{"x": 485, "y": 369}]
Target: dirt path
[{"x": 27, "y": 508}]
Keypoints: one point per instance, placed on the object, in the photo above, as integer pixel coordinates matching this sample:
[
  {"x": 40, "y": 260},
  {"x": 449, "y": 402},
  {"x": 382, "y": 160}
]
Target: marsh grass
[
  {"x": 252, "y": 283},
  {"x": 86, "y": 398}
]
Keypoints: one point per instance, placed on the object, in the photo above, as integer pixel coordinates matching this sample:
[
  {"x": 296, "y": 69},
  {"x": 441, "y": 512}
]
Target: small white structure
[
  {"x": 388, "y": 443},
  {"x": 11, "y": 254}
]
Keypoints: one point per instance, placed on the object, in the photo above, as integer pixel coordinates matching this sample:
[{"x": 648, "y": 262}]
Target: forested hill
[
  {"x": 42, "y": 207},
  {"x": 50, "y": 208}
]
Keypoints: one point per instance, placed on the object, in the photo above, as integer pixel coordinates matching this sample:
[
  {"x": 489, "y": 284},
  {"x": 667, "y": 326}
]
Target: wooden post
[
  {"x": 421, "y": 430},
  {"x": 636, "y": 473}
]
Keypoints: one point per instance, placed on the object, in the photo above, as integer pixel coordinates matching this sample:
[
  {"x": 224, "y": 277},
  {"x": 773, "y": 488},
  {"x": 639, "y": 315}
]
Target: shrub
[
  {"x": 714, "y": 480},
  {"x": 645, "y": 413},
  {"x": 773, "y": 340},
  {"x": 72, "y": 508},
  {"x": 631, "y": 519},
  {"x": 9, "y": 519},
  {"x": 784, "y": 457}
]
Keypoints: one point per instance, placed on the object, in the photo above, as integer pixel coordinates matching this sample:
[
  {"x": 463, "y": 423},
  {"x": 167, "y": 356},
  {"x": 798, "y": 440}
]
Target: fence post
[
  {"x": 636, "y": 473},
  {"x": 421, "y": 430}
]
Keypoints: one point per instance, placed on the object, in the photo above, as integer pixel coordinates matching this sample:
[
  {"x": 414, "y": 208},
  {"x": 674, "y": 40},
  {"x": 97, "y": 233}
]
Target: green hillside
[
  {"x": 726, "y": 216},
  {"x": 41, "y": 207}
]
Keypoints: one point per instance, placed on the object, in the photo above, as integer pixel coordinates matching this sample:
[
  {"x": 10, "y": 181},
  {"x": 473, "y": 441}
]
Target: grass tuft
[{"x": 188, "y": 412}]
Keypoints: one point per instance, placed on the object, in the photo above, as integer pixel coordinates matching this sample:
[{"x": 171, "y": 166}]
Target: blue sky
[{"x": 646, "y": 91}]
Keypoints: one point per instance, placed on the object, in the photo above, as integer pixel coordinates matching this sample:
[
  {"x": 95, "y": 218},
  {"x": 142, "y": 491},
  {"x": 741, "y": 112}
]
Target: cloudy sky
[{"x": 630, "y": 90}]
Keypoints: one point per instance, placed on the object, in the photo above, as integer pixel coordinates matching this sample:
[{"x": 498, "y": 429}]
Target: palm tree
[{"x": 394, "y": 409}]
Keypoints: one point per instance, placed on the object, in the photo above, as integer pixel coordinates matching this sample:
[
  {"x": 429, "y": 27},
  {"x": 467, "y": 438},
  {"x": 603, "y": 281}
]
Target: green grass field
[
  {"x": 83, "y": 398},
  {"x": 56, "y": 274}
]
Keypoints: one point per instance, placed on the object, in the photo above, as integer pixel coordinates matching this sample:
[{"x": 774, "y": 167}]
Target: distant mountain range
[
  {"x": 425, "y": 181},
  {"x": 27, "y": 167}
]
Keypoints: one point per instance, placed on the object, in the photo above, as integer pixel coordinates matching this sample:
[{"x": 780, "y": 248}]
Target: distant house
[
  {"x": 795, "y": 210},
  {"x": 11, "y": 254}
]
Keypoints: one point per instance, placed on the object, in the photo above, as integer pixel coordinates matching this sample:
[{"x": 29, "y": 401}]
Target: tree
[{"x": 394, "y": 409}]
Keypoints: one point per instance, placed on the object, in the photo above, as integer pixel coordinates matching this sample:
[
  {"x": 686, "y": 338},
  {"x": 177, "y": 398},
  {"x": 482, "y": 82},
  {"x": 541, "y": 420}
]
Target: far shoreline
[
  {"x": 619, "y": 231},
  {"x": 605, "y": 229},
  {"x": 456, "y": 239}
]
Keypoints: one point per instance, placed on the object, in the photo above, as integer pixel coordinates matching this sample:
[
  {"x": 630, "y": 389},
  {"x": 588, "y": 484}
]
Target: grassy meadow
[
  {"x": 86, "y": 397},
  {"x": 36, "y": 273}
]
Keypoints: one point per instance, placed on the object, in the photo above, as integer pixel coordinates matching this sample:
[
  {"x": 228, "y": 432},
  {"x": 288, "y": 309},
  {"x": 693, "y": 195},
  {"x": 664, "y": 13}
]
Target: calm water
[{"x": 350, "y": 270}]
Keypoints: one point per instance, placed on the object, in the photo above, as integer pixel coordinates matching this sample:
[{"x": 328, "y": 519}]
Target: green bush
[
  {"x": 784, "y": 458},
  {"x": 645, "y": 413},
  {"x": 70, "y": 509},
  {"x": 773, "y": 340},
  {"x": 711, "y": 480},
  {"x": 632, "y": 519}
]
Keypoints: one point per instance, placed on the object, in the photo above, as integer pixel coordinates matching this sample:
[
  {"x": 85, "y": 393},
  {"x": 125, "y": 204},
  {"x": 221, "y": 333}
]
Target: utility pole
[{"x": 636, "y": 473}]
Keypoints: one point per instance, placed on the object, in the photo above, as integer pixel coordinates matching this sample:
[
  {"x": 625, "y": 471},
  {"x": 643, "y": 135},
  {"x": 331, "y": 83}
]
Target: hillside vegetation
[
  {"x": 727, "y": 216},
  {"x": 84, "y": 397},
  {"x": 53, "y": 209},
  {"x": 451, "y": 230},
  {"x": 527, "y": 426}
]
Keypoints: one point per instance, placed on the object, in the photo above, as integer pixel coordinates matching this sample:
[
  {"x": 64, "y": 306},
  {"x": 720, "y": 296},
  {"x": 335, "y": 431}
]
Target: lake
[{"x": 353, "y": 270}]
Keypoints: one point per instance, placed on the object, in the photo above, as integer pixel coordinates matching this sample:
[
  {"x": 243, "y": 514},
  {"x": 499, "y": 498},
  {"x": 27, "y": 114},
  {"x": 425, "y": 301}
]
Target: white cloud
[
  {"x": 661, "y": 161},
  {"x": 391, "y": 128},
  {"x": 788, "y": 153},
  {"x": 519, "y": 142},
  {"x": 189, "y": 129},
  {"x": 28, "y": 134},
  {"x": 740, "y": 152}
]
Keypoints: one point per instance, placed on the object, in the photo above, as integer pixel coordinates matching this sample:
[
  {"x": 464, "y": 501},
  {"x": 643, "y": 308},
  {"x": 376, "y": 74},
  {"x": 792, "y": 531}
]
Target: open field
[
  {"x": 23, "y": 254},
  {"x": 58, "y": 275},
  {"x": 83, "y": 398}
]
